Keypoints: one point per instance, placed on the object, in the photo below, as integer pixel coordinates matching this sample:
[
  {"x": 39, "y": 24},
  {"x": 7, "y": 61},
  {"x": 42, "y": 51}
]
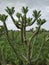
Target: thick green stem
[
  {"x": 22, "y": 32},
  {"x": 26, "y": 42},
  {"x": 19, "y": 56}
]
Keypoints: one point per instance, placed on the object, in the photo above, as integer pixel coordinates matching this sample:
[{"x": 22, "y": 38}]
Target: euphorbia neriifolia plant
[{"x": 21, "y": 23}]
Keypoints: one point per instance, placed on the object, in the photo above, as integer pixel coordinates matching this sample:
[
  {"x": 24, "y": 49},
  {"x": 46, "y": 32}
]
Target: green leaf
[
  {"x": 25, "y": 10},
  {"x": 3, "y": 17},
  {"x": 29, "y": 20},
  {"x": 10, "y": 11},
  {"x": 36, "y": 14},
  {"x": 41, "y": 21},
  {"x": 18, "y": 15}
]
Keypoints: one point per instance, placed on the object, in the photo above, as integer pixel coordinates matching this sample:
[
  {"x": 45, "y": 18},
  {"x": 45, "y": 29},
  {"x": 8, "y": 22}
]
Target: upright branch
[
  {"x": 40, "y": 22},
  {"x": 3, "y": 18},
  {"x": 40, "y": 50},
  {"x": 11, "y": 11}
]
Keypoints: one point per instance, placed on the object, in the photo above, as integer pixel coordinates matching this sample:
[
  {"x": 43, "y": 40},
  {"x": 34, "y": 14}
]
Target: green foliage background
[{"x": 38, "y": 40}]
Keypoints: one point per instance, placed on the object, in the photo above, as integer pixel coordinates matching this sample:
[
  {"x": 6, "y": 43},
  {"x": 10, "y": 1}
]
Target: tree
[{"x": 22, "y": 23}]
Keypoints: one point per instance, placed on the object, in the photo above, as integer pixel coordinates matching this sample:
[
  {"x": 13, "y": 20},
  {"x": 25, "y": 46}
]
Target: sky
[{"x": 42, "y": 5}]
